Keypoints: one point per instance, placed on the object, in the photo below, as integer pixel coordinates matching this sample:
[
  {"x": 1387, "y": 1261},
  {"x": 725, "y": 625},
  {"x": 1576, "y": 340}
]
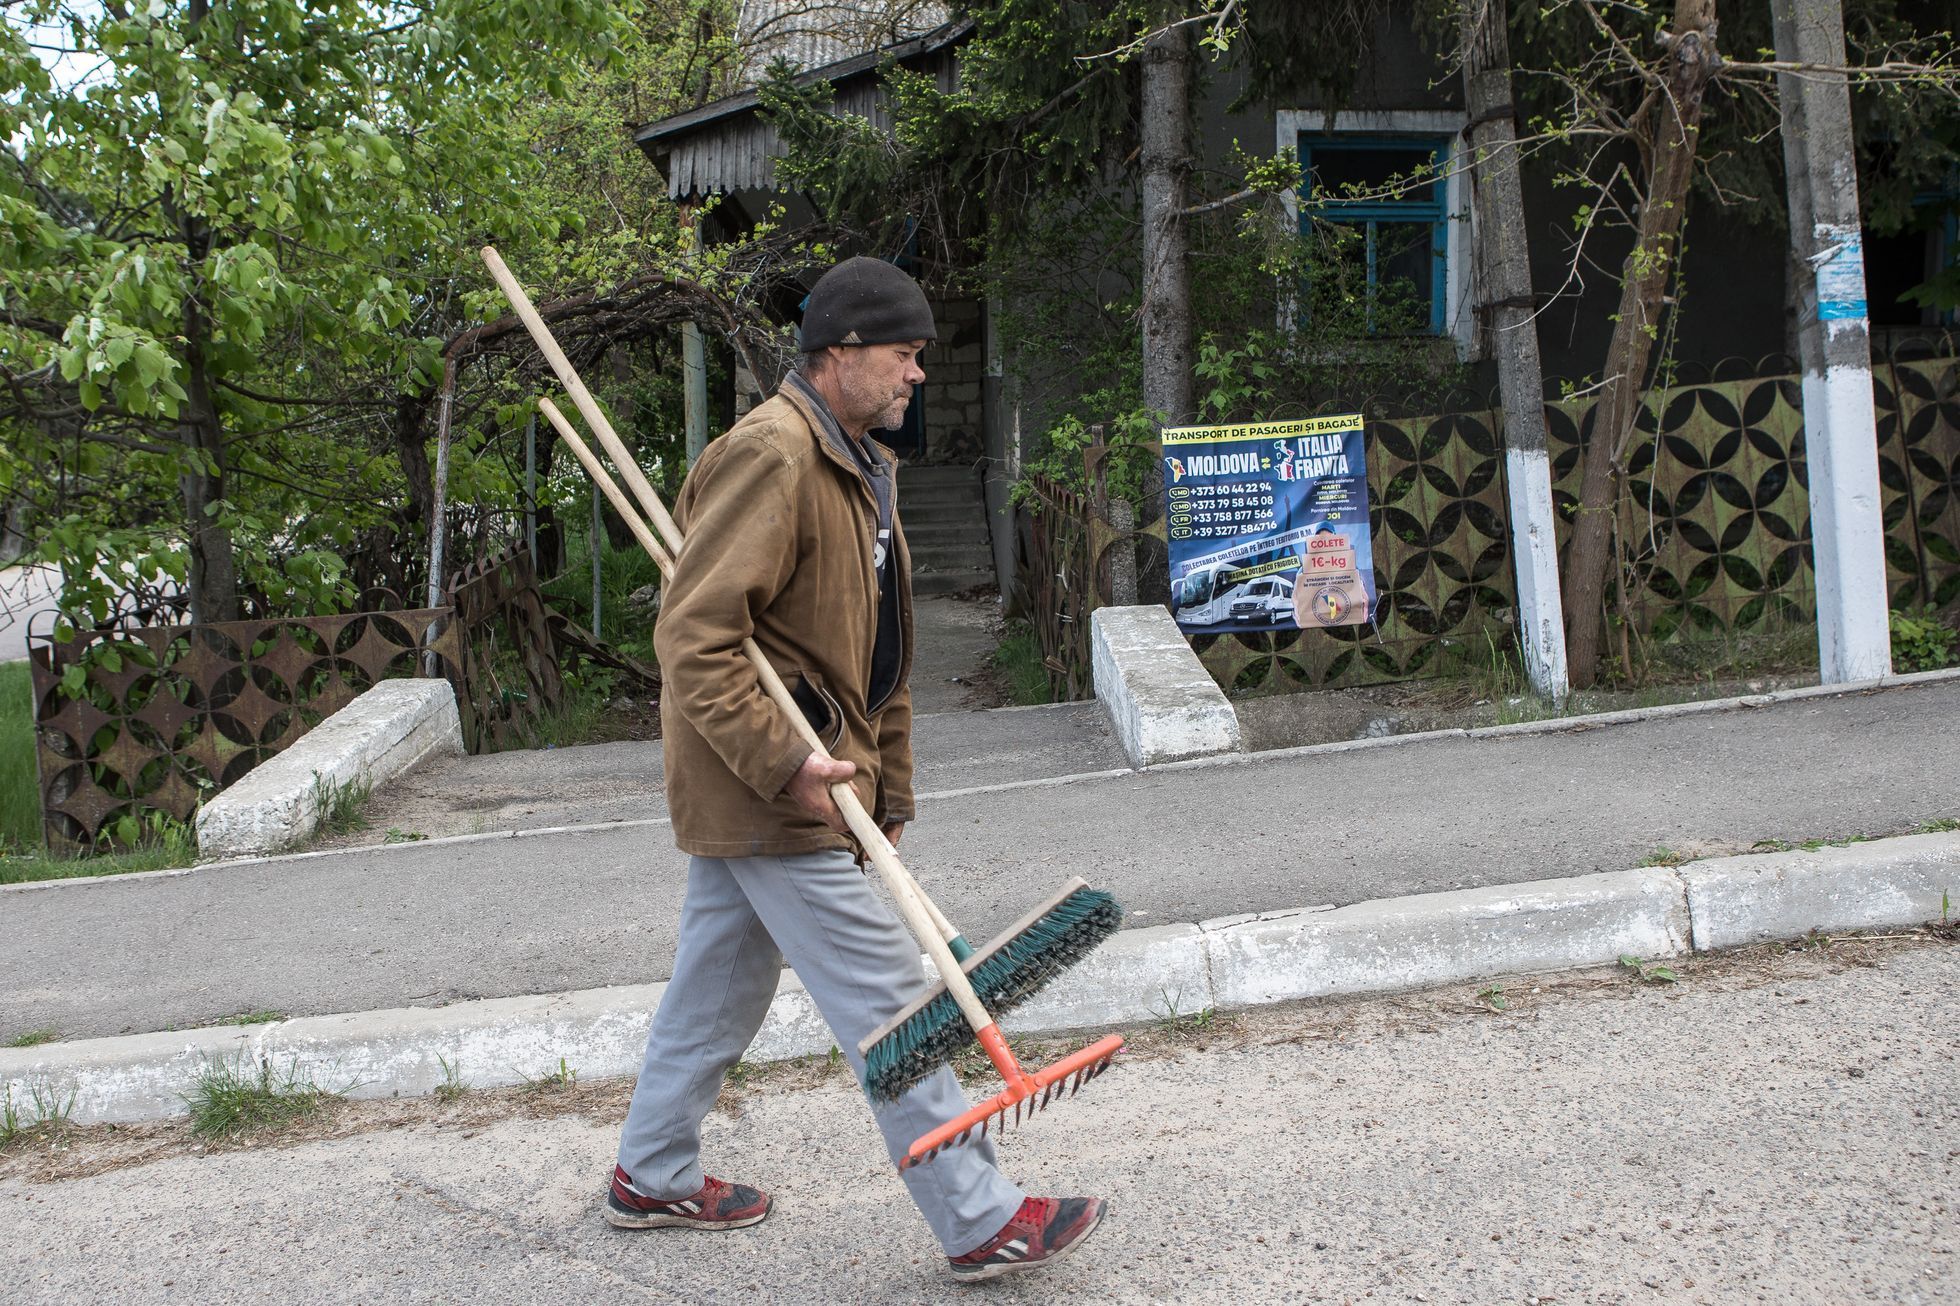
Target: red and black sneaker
[
  {"x": 718, "y": 1205},
  {"x": 1043, "y": 1231}
]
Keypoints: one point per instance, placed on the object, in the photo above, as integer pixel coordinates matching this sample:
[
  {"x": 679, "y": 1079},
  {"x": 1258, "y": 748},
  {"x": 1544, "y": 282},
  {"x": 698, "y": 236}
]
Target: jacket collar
[{"x": 824, "y": 422}]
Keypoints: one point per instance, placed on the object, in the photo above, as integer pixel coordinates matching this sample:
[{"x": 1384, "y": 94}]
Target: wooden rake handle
[{"x": 919, "y": 913}]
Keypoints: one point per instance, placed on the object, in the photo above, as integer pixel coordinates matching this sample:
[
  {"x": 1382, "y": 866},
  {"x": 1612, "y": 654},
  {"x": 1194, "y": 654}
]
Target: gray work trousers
[{"x": 858, "y": 964}]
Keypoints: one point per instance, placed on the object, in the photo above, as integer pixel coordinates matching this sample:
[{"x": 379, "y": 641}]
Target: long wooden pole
[
  {"x": 905, "y": 891},
  {"x": 932, "y": 928}
]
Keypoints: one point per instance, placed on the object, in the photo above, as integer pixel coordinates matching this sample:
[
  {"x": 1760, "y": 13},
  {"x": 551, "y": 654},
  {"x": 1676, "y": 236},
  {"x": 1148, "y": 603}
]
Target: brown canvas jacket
[{"x": 781, "y": 529}]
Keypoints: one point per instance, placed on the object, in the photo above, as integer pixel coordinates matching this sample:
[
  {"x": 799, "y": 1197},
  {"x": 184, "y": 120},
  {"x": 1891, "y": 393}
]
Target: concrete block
[
  {"x": 1444, "y": 938},
  {"x": 388, "y": 729},
  {"x": 1161, "y": 701},
  {"x": 1738, "y": 900},
  {"x": 598, "y": 1033},
  {"x": 1139, "y": 975},
  {"x": 965, "y": 392},
  {"x": 136, "y": 1077}
]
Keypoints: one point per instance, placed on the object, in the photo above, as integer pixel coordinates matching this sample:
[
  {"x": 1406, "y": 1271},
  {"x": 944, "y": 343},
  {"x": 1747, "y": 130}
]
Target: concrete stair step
[
  {"x": 950, "y": 554},
  {"x": 909, "y": 474},
  {"x": 926, "y": 584},
  {"x": 949, "y": 497},
  {"x": 942, "y": 512},
  {"x": 931, "y": 534}
]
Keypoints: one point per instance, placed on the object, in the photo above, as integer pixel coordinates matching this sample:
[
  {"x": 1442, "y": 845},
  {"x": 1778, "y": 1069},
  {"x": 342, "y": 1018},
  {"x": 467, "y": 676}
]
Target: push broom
[{"x": 1010, "y": 969}]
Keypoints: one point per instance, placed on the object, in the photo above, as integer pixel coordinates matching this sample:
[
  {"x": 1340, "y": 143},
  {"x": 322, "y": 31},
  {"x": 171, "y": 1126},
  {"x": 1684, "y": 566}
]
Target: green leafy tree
[{"x": 233, "y": 237}]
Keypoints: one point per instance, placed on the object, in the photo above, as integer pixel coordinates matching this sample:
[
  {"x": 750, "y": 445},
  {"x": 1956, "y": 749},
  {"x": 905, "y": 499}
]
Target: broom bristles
[{"x": 1008, "y": 972}]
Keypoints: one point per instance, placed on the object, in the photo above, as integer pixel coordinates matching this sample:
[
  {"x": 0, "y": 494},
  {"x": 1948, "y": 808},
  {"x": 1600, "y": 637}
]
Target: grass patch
[
  {"x": 34, "y": 1038},
  {"x": 167, "y": 844},
  {"x": 253, "y": 1018},
  {"x": 621, "y": 571},
  {"x": 20, "y": 799},
  {"x": 44, "y": 1111},
  {"x": 231, "y": 1098},
  {"x": 1018, "y": 659},
  {"x": 1663, "y": 857},
  {"x": 341, "y": 805},
  {"x": 553, "y": 1080},
  {"x": 582, "y": 715},
  {"x": 452, "y": 1088}
]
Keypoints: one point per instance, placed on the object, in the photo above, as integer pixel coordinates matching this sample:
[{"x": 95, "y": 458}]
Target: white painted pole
[
  {"x": 1505, "y": 267},
  {"x": 694, "y": 371},
  {"x": 1834, "y": 339}
]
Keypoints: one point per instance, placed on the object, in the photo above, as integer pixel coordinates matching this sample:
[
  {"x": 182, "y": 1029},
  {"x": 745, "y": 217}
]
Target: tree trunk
[
  {"x": 1692, "y": 62},
  {"x": 1166, "y": 279},
  {"x": 1505, "y": 268},
  {"x": 213, "y": 570},
  {"x": 1854, "y": 639}
]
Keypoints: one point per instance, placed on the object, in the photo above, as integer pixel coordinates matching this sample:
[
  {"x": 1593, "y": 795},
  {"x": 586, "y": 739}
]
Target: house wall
[
  {"x": 955, "y": 367},
  {"x": 1733, "y": 272}
]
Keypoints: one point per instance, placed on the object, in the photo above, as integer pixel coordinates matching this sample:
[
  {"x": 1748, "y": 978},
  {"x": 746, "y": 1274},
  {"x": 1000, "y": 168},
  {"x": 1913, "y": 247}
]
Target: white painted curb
[
  {"x": 1162, "y": 703},
  {"x": 389, "y": 728},
  {"x": 1138, "y": 976}
]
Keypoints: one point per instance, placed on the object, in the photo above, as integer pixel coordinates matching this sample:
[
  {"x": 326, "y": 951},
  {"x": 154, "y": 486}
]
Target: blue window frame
[{"x": 1402, "y": 210}]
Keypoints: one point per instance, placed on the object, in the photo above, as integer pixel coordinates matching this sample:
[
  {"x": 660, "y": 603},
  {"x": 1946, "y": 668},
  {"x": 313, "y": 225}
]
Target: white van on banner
[{"x": 1268, "y": 525}]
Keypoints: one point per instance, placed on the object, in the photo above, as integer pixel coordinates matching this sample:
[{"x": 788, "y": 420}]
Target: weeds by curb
[{"x": 230, "y": 1098}]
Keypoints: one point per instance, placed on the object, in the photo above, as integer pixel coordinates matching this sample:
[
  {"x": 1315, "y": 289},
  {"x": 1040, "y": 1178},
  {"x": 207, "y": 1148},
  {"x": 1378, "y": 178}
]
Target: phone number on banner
[{"x": 1209, "y": 511}]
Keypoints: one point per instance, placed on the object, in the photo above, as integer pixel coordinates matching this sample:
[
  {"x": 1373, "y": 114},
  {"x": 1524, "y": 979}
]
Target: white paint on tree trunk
[
  {"x": 1854, "y": 639},
  {"x": 1534, "y": 546}
]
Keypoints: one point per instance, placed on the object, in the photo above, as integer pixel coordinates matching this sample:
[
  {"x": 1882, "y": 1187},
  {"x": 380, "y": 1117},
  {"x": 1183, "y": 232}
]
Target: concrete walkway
[{"x": 552, "y": 911}]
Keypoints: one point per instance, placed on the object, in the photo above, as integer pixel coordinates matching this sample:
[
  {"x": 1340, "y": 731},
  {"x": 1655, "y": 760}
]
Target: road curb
[{"x": 1141, "y": 975}]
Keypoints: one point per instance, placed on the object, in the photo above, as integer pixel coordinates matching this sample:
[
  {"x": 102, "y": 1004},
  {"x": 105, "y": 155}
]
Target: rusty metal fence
[
  {"x": 1713, "y": 534},
  {"x": 132, "y": 721}
]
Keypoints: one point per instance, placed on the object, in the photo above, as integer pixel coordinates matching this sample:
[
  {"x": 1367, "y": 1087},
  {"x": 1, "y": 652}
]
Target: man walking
[{"x": 793, "y": 539}]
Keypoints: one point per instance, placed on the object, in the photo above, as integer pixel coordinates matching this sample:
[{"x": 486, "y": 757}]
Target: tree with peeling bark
[{"x": 1668, "y": 122}]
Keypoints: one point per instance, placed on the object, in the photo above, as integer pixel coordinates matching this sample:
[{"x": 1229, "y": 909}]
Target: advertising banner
[{"x": 1268, "y": 525}]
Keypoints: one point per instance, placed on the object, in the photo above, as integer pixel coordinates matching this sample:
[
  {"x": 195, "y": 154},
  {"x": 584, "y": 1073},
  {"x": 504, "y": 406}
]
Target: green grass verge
[
  {"x": 176, "y": 847},
  {"x": 22, "y": 857},
  {"x": 20, "y": 801},
  {"x": 1018, "y": 659}
]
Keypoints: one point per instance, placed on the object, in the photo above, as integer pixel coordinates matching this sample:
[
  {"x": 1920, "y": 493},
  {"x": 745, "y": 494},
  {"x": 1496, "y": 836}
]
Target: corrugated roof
[
  {"x": 724, "y": 145},
  {"x": 817, "y": 33}
]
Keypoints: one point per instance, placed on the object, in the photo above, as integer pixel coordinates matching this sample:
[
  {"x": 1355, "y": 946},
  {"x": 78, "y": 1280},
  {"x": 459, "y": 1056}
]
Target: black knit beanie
[{"x": 864, "y": 301}]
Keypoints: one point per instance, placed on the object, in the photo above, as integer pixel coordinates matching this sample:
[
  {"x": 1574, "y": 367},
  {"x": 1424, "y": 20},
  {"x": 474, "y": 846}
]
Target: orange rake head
[{"x": 1025, "y": 1092}]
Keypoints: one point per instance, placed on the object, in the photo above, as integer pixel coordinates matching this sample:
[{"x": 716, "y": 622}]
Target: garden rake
[{"x": 1014, "y": 965}]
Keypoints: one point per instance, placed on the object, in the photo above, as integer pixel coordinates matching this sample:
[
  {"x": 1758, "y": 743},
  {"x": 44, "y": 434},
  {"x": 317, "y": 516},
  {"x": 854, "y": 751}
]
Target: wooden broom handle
[{"x": 651, "y": 505}]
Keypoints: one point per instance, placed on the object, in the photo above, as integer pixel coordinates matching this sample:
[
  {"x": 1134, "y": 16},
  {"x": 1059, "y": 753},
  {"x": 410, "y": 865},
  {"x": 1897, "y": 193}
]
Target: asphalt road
[
  {"x": 1761, "y": 1132},
  {"x": 429, "y": 923}
]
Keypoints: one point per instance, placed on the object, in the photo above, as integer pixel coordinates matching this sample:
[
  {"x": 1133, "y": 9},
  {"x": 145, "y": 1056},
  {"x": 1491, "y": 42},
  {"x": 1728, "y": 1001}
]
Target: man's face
[{"x": 876, "y": 382}]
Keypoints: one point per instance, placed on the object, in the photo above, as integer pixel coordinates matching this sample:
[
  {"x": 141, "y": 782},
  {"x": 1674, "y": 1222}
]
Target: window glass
[
  {"x": 1340, "y": 172},
  {"x": 1393, "y": 260}
]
